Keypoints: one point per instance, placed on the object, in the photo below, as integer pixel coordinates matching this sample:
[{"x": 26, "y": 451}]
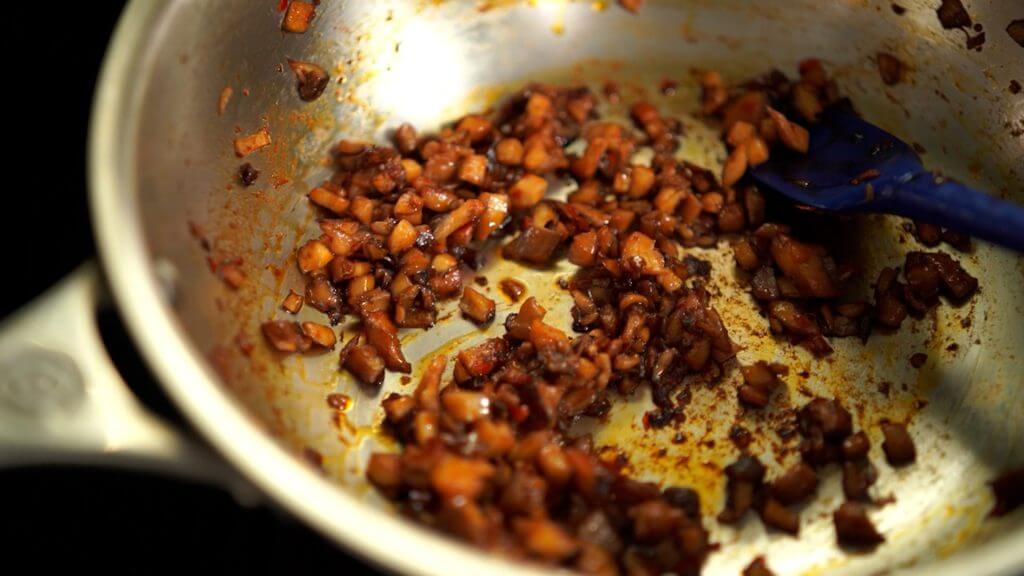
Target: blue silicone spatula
[{"x": 852, "y": 165}]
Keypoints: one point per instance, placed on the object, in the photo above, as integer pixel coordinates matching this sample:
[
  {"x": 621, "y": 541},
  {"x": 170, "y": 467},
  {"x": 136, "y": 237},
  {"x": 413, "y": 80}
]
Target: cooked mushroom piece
[
  {"x": 293, "y": 302},
  {"x": 534, "y": 246},
  {"x": 245, "y": 145},
  {"x": 898, "y": 445},
  {"x": 476, "y": 306},
  {"x": 383, "y": 336},
  {"x": 365, "y": 363},
  {"x": 321, "y": 335},
  {"x": 298, "y": 16},
  {"x": 853, "y": 527},
  {"x": 286, "y": 336},
  {"x": 312, "y": 79}
]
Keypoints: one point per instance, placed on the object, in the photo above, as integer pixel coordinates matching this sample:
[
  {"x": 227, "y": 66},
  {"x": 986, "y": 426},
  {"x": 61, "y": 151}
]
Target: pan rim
[{"x": 373, "y": 534}]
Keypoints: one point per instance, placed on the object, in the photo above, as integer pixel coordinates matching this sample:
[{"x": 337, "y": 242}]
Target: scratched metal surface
[{"x": 429, "y": 62}]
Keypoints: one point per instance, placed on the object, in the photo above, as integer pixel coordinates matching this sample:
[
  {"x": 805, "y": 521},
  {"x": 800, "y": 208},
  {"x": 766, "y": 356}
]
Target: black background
[{"x": 90, "y": 518}]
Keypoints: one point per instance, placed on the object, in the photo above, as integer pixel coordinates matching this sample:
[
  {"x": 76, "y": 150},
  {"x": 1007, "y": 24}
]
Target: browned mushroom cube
[
  {"x": 473, "y": 169},
  {"x": 321, "y": 335},
  {"x": 286, "y": 336},
  {"x": 365, "y": 363},
  {"x": 292, "y": 302},
  {"x": 476, "y": 306},
  {"x": 245, "y": 145},
  {"x": 313, "y": 256},
  {"x": 298, "y": 17},
  {"x": 528, "y": 191},
  {"x": 329, "y": 200}
]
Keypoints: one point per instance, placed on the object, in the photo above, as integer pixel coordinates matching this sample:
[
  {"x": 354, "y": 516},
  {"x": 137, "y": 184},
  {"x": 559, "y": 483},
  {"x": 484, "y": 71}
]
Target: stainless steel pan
[{"x": 161, "y": 158}]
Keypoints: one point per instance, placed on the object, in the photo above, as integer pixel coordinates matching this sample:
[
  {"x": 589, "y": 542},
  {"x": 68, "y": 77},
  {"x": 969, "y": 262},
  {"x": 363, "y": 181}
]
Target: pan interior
[{"x": 430, "y": 62}]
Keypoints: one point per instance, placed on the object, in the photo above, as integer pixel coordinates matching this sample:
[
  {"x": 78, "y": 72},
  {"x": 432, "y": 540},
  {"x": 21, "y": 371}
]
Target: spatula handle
[{"x": 953, "y": 205}]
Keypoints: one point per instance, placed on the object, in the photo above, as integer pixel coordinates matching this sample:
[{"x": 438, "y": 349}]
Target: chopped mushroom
[
  {"x": 312, "y": 79},
  {"x": 245, "y": 145},
  {"x": 292, "y": 302},
  {"x": 313, "y": 256},
  {"x": 853, "y": 527},
  {"x": 476, "y": 306},
  {"x": 385, "y": 472},
  {"x": 509, "y": 151},
  {"x": 774, "y": 514},
  {"x": 746, "y": 476},
  {"x": 456, "y": 477},
  {"x": 365, "y": 363},
  {"x": 329, "y": 200},
  {"x": 735, "y": 166},
  {"x": 898, "y": 445},
  {"x": 858, "y": 477},
  {"x": 795, "y": 485},
  {"x": 286, "y": 336},
  {"x": 760, "y": 380},
  {"x": 298, "y": 17},
  {"x": 465, "y": 406},
  {"x": 794, "y": 136},
  {"x": 383, "y": 336},
  {"x": 321, "y": 335},
  {"x": 758, "y": 567},
  {"x": 639, "y": 250},
  {"x": 545, "y": 539},
  {"x": 514, "y": 289},
  {"x": 856, "y": 446},
  {"x": 534, "y": 246},
  {"x": 528, "y": 191}
]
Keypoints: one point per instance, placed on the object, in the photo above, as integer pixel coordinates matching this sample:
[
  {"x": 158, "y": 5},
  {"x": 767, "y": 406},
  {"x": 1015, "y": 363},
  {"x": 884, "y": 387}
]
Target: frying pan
[{"x": 161, "y": 164}]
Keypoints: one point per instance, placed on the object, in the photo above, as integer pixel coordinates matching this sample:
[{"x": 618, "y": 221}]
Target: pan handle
[{"x": 62, "y": 400}]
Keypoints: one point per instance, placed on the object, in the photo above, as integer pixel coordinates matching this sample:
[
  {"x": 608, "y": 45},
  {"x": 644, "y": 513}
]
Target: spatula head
[{"x": 847, "y": 160}]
